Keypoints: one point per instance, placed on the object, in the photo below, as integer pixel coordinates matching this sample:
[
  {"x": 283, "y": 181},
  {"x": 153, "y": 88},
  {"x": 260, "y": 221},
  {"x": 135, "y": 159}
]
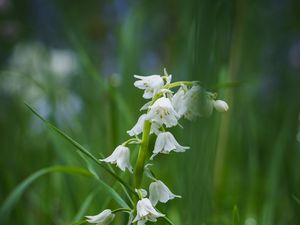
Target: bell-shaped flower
[
  {"x": 162, "y": 112},
  {"x": 220, "y": 106},
  {"x": 146, "y": 212},
  {"x": 121, "y": 157},
  {"x": 138, "y": 127},
  {"x": 159, "y": 192},
  {"x": 103, "y": 218},
  {"x": 151, "y": 84},
  {"x": 165, "y": 143},
  {"x": 179, "y": 101}
]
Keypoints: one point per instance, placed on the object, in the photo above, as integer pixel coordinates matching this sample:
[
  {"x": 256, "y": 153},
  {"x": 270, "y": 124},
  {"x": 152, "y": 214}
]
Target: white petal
[
  {"x": 159, "y": 192},
  {"x": 159, "y": 143},
  {"x": 220, "y": 106},
  {"x": 145, "y": 107},
  {"x": 120, "y": 156},
  {"x": 138, "y": 127},
  {"x": 103, "y": 218}
]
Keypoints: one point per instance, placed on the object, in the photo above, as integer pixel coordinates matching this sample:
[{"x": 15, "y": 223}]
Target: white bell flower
[
  {"x": 151, "y": 84},
  {"x": 138, "y": 127},
  {"x": 165, "y": 143},
  {"x": 103, "y": 218},
  {"x": 146, "y": 212},
  {"x": 162, "y": 112},
  {"x": 121, "y": 157},
  {"x": 220, "y": 106},
  {"x": 179, "y": 101},
  {"x": 159, "y": 192}
]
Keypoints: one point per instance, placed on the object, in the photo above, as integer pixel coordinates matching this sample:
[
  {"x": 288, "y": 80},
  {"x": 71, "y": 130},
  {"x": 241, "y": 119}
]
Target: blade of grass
[
  {"x": 79, "y": 222},
  {"x": 109, "y": 189},
  {"x": 168, "y": 220},
  {"x": 86, "y": 203},
  {"x": 20, "y": 189},
  {"x": 235, "y": 216},
  {"x": 81, "y": 149}
]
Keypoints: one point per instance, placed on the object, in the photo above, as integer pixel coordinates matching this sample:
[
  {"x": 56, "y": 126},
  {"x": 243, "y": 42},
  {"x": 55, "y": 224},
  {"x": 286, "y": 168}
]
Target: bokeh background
[{"x": 73, "y": 61}]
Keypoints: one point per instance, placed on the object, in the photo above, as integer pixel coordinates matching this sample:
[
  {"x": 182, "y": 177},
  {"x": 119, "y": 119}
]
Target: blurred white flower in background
[
  {"x": 63, "y": 62},
  {"x": 35, "y": 73}
]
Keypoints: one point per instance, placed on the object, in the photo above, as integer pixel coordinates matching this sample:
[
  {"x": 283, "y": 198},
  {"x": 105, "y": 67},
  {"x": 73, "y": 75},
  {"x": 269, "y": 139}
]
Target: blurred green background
[{"x": 74, "y": 61}]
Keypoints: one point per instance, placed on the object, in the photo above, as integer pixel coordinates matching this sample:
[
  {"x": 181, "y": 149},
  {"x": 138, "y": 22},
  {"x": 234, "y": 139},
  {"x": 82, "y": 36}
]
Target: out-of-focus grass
[{"x": 246, "y": 158}]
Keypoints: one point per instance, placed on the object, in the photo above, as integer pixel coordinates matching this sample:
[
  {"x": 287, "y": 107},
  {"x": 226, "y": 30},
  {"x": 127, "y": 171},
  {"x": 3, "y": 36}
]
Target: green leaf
[
  {"x": 235, "y": 216},
  {"x": 79, "y": 222},
  {"x": 81, "y": 149},
  {"x": 20, "y": 189},
  {"x": 168, "y": 220},
  {"x": 85, "y": 205},
  {"x": 108, "y": 188}
]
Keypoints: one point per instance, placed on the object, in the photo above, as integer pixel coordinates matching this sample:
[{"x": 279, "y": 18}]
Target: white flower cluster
[{"x": 163, "y": 111}]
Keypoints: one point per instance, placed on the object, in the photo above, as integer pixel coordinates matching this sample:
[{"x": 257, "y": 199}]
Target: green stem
[
  {"x": 179, "y": 83},
  {"x": 121, "y": 210},
  {"x": 139, "y": 167}
]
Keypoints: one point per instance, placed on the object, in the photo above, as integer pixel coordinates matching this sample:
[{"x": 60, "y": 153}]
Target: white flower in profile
[
  {"x": 121, "y": 157},
  {"x": 151, "y": 84},
  {"x": 146, "y": 212},
  {"x": 159, "y": 192},
  {"x": 165, "y": 143},
  {"x": 103, "y": 218},
  {"x": 220, "y": 106},
  {"x": 179, "y": 101},
  {"x": 162, "y": 112},
  {"x": 138, "y": 127}
]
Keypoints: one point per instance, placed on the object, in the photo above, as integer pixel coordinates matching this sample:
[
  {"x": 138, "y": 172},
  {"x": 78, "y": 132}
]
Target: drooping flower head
[
  {"x": 103, "y": 218},
  {"x": 121, "y": 157},
  {"x": 159, "y": 192},
  {"x": 162, "y": 112},
  {"x": 138, "y": 127},
  {"x": 146, "y": 212},
  {"x": 151, "y": 84},
  {"x": 165, "y": 143}
]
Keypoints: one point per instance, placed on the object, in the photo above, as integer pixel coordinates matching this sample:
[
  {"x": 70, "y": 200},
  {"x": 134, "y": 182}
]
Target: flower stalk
[{"x": 143, "y": 151}]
